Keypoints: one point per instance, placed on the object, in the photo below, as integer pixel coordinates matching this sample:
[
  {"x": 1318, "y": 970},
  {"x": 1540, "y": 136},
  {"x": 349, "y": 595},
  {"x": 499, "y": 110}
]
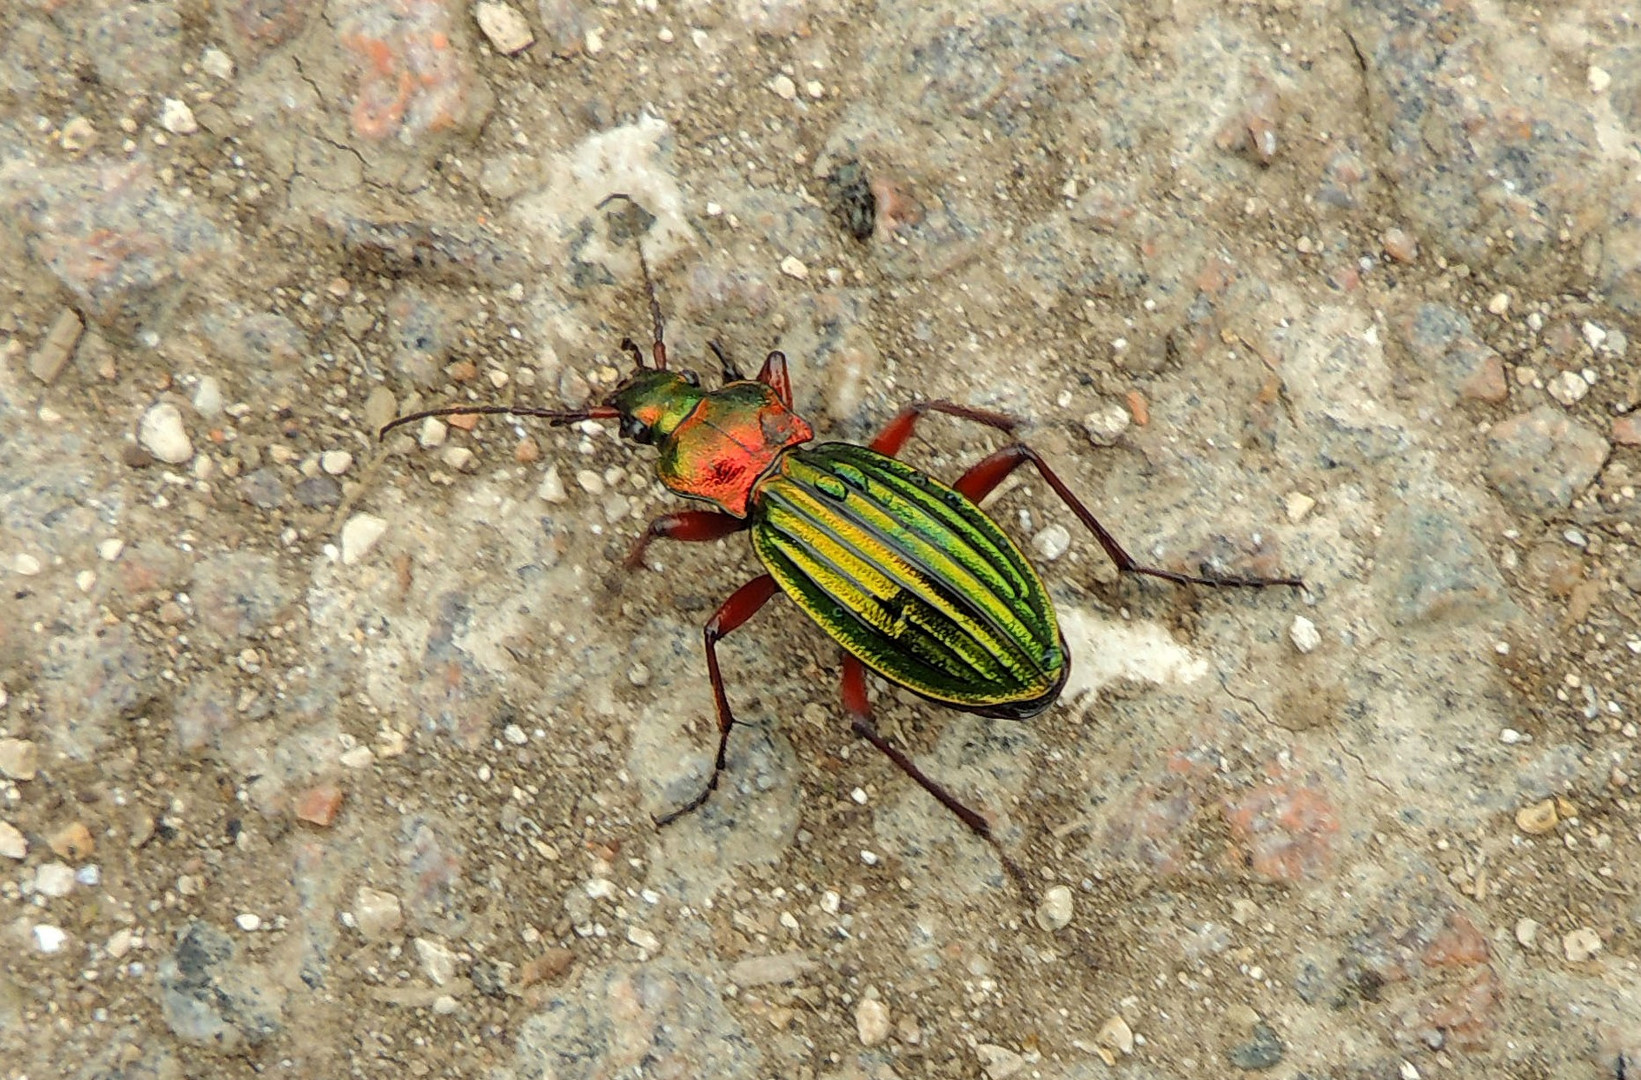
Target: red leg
[
  {"x": 855, "y": 700},
  {"x": 773, "y": 375},
  {"x": 897, "y": 431},
  {"x": 736, "y": 610},
  {"x": 981, "y": 480},
  {"x": 688, "y": 525}
]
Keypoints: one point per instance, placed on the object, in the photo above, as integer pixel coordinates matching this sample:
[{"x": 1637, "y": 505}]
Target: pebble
[
  {"x": 1054, "y": 913},
  {"x": 1537, "y": 819},
  {"x": 26, "y": 565},
  {"x": 13, "y": 845},
  {"x": 1299, "y": 505},
  {"x": 1598, "y": 79},
  {"x": 793, "y": 267},
  {"x": 445, "y": 1005},
  {"x": 459, "y": 458},
  {"x": 1527, "y": 932},
  {"x": 208, "y": 396},
  {"x": 871, "y": 1021},
  {"x": 380, "y": 407},
  {"x": 1106, "y": 424},
  {"x": 1540, "y": 459},
  {"x": 1568, "y": 388},
  {"x": 506, "y": 28},
  {"x": 1499, "y": 303},
  {"x": 319, "y": 805},
  {"x": 1400, "y": 246},
  {"x": 433, "y": 432},
  {"x": 359, "y": 534},
  {"x": 1115, "y": 1034},
  {"x": 438, "y": 961},
  {"x": 770, "y": 970},
  {"x": 73, "y": 842},
  {"x": 998, "y": 1062},
  {"x": 177, "y": 118},
  {"x": 1304, "y": 634},
  {"x": 110, "y": 549},
  {"x": 590, "y": 481},
  {"x": 54, "y": 879},
  {"x": 51, "y": 355},
  {"x": 643, "y": 939},
  {"x": 377, "y": 914},
  {"x": 216, "y": 63},
  {"x": 119, "y": 943},
  {"x": 78, "y": 134},
  {"x": 48, "y": 938},
  {"x": 551, "y": 964},
  {"x": 784, "y": 87},
  {"x": 336, "y": 462},
  {"x": 551, "y": 488},
  {"x": 1581, "y": 944},
  {"x": 1052, "y": 541},
  {"x": 1262, "y": 1051},
  {"x": 161, "y": 433},
  {"x": 19, "y": 759},
  {"x": 248, "y": 921}
]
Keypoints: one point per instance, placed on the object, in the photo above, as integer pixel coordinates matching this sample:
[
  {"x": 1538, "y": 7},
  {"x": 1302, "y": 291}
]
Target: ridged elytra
[{"x": 907, "y": 574}]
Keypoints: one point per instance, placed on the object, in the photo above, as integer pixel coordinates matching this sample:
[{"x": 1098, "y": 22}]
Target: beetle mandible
[{"x": 907, "y": 574}]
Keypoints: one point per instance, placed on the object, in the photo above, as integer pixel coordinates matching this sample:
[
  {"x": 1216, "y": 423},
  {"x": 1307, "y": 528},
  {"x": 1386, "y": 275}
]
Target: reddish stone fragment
[
  {"x": 1627, "y": 430},
  {"x": 1286, "y": 831},
  {"x": 1457, "y": 944},
  {"x": 319, "y": 805}
]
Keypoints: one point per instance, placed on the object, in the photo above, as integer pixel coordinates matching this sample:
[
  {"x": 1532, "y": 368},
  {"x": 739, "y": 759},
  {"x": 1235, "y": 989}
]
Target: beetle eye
[
  {"x": 690, "y": 377},
  {"x": 636, "y": 430}
]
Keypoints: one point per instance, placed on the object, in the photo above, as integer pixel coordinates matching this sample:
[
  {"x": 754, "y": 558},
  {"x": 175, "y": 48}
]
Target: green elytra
[{"x": 907, "y": 574}]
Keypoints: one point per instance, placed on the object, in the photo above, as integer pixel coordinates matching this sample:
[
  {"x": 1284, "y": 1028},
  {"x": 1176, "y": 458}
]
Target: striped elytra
[{"x": 911, "y": 577}]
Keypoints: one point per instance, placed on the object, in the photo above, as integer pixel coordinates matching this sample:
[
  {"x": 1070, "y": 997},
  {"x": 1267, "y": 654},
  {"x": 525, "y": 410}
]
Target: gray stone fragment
[
  {"x": 1539, "y": 460},
  {"x": 210, "y": 999},
  {"x": 1436, "y": 570}
]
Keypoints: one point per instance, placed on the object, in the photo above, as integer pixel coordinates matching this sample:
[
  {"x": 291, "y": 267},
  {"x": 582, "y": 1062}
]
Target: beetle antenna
[
  {"x": 659, "y": 348},
  {"x": 555, "y": 417}
]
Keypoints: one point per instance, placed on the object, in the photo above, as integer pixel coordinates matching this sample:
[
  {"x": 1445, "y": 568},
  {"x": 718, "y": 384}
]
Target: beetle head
[{"x": 653, "y": 403}]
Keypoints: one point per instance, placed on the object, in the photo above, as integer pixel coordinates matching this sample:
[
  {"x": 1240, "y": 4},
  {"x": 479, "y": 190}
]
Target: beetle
[{"x": 907, "y": 574}]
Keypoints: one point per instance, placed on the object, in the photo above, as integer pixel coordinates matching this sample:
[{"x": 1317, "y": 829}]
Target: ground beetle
[{"x": 910, "y": 576}]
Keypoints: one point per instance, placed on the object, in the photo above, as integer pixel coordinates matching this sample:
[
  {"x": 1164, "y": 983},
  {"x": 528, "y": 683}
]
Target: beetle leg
[
  {"x": 897, "y": 431},
  {"x": 773, "y": 375},
  {"x": 686, "y": 525},
  {"x": 984, "y": 477},
  {"x": 736, "y": 610},
  {"x": 860, "y": 709}
]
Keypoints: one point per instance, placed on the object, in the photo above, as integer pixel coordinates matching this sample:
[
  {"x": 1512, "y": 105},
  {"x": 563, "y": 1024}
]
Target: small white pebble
[
  {"x": 216, "y": 63},
  {"x": 1054, "y": 913},
  {"x": 1580, "y": 945},
  {"x": 459, "y": 458},
  {"x": 1527, "y": 932},
  {"x": 831, "y": 900},
  {"x": 177, "y": 118},
  {"x": 1052, "y": 541},
  {"x": 859, "y": 795},
  {"x": 109, "y": 550},
  {"x": 1568, "y": 387},
  {"x": 871, "y": 1021},
  {"x": 551, "y": 488},
  {"x": 359, "y": 534},
  {"x": 505, "y": 28},
  {"x": 1304, "y": 634},
  {"x": 48, "y": 938},
  {"x": 1599, "y": 80},
  {"x": 1499, "y": 303},
  {"x": 515, "y": 735},
  {"x": 590, "y": 481},
  {"x": 868, "y": 857},
  {"x": 1106, "y": 424},
  {"x": 1509, "y": 736},
  {"x": 1299, "y": 505},
  {"x": 433, "y": 433},
  {"x": 1408, "y": 1070},
  {"x": 643, "y": 938},
  {"x": 248, "y": 921},
  {"x": 26, "y": 564},
  {"x": 784, "y": 87},
  {"x": 793, "y": 267},
  {"x": 336, "y": 462},
  {"x": 54, "y": 879},
  {"x": 208, "y": 396},
  {"x": 161, "y": 433}
]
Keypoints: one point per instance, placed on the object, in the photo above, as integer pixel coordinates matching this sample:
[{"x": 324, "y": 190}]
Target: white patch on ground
[
  {"x": 1104, "y": 651},
  {"x": 633, "y": 159}
]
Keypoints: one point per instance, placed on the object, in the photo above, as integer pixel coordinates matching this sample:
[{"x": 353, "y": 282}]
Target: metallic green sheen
[{"x": 911, "y": 577}]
